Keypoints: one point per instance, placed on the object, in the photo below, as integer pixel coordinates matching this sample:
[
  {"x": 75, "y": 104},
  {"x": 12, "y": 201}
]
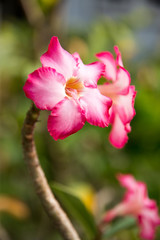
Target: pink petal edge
[
  {"x": 96, "y": 107},
  {"x": 119, "y": 61},
  {"x": 110, "y": 66},
  {"x": 45, "y": 87},
  {"x": 89, "y": 73},
  {"x": 66, "y": 118},
  {"x": 59, "y": 59},
  {"x": 118, "y": 135},
  {"x": 124, "y": 106}
]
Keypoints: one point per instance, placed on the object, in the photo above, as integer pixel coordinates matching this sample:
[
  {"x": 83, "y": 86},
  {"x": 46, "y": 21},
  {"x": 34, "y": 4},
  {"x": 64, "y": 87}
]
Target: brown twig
[{"x": 50, "y": 204}]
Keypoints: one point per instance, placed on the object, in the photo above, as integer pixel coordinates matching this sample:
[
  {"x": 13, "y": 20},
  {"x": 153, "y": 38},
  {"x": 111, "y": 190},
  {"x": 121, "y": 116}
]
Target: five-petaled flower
[
  {"x": 118, "y": 88},
  {"x": 68, "y": 88},
  {"x": 136, "y": 203}
]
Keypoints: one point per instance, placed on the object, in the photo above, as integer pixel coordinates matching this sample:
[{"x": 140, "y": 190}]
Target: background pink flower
[
  {"x": 67, "y": 88},
  {"x": 136, "y": 203},
  {"x": 118, "y": 88}
]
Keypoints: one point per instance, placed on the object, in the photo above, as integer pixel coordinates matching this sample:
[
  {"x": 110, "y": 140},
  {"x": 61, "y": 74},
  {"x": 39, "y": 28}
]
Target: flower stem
[{"x": 50, "y": 204}]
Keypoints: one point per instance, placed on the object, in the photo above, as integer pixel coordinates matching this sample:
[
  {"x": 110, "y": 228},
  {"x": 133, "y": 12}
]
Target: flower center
[{"x": 74, "y": 87}]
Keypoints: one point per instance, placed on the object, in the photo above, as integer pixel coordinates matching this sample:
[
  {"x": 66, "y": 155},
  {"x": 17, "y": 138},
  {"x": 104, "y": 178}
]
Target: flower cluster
[
  {"x": 137, "y": 204},
  {"x": 118, "y": 88},
  {"x": 68, "y": 88}
]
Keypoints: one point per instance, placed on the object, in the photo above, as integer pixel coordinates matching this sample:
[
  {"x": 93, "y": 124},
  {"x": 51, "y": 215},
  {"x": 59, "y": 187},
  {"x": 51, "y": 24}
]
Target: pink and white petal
[
  {"x": 127, "y": 181},
  {"x": 118, "y": 87},
  {"x": 118, "y": 58},
  {"x": 136, "y": 194},
  {"x": 90, "y": 73},
  {"x": 110, "y": 65},
  {"x": 151, "y": 204},
  {"x": 128, "y": 127},
  {"x": 109, "y": 216},
  {"x": 149, "y": 219},
  {"x": 125, "y": 105},
  {"x": 45, "y": 87},
  {"x": 129, "y": 197},
  {"x": 106, "y": 89},
  {"x": 118, "y": 135},
  {"x": 96, "y": 107},
  {"x": 59, "y": 59},
  {"x": 66, "y": 118},
  {"x": 141, "y": 191},
  {"x": 150, "y": 212},
  {"x": 147, "y": 229},
  {"x": 123, "y": 81},
  {"x": 120, "y": 209}
]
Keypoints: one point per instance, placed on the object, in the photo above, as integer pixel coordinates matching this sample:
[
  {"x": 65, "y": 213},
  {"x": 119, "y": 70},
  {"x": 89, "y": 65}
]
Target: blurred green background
[{"x": 85, "y": 161}]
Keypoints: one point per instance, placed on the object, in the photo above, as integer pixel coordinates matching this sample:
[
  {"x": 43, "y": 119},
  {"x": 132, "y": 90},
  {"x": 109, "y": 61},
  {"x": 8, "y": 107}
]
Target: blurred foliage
[
  {"x": 86, "y": 156},
  {"x": 75, "y": 208},
  {"x": 47, "y": 5},
  {"x": 13, "y": 207},
  {"x": 122, "y": 224}
]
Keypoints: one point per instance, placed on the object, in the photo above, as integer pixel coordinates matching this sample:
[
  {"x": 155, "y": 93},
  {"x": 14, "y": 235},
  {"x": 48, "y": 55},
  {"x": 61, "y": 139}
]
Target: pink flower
[
  {"x": 67, "y": 88},
  {"x": 122, "y": 94},
  {"x": 136, "y": 203}
]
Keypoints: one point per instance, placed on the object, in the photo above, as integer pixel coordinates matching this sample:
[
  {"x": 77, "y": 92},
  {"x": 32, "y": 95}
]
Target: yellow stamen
[{"x": 74, "y": 85}]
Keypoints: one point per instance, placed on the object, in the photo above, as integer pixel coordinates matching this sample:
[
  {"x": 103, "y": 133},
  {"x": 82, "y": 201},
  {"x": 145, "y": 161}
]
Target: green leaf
[
  {"x": 75, "y": 207},
  {"x": 120, "y": 225}
]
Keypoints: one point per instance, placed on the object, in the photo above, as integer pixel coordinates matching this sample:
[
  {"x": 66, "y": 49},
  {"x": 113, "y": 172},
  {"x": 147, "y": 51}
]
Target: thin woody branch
[{"x": 50, "y": 204}]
